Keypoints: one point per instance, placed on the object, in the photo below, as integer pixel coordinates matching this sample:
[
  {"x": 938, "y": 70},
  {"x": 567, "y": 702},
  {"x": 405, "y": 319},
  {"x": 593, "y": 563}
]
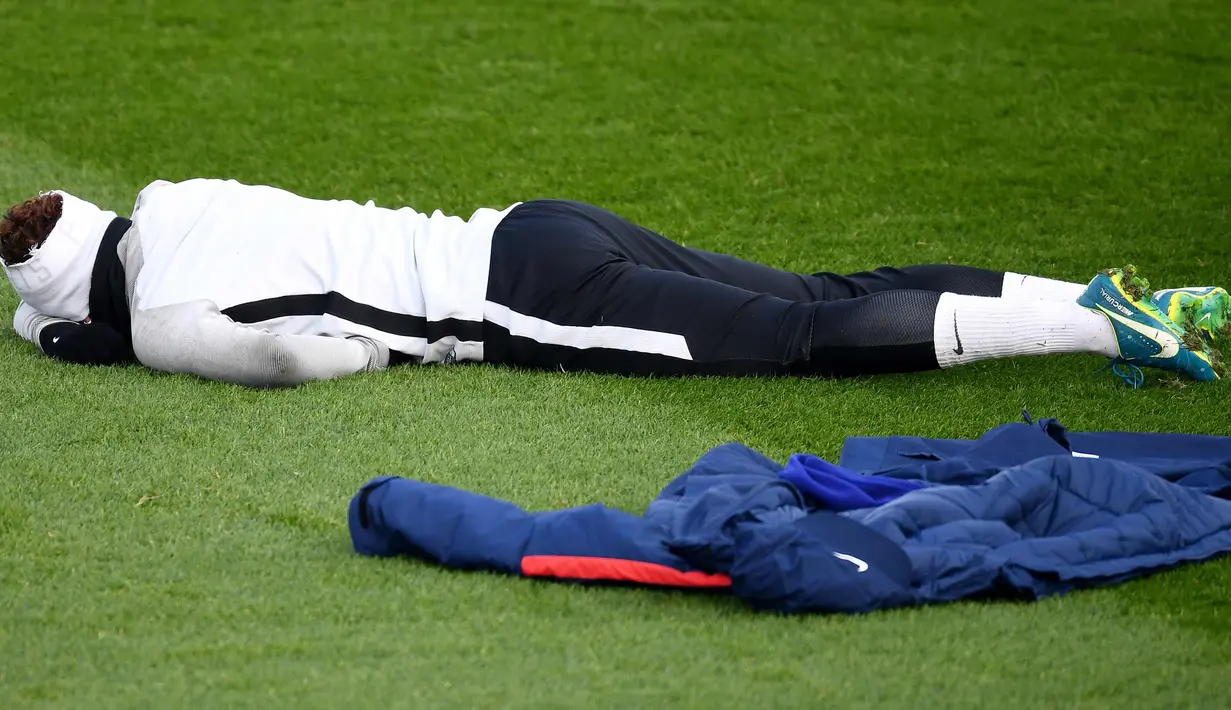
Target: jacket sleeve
[
  {"x": 393, "y": 516},
  {"x": 196, "y": 338}
]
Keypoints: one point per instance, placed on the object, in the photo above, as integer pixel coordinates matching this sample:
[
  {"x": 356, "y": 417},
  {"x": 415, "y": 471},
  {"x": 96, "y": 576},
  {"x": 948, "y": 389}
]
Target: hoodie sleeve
[
  {"x": 28, "y": 322},
  {"x": 196, "y": 338},
  {"x": 89, "y": 343}
]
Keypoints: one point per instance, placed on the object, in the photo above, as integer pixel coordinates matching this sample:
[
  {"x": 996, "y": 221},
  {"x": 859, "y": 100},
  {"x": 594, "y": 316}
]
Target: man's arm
[
  {"x": 89, "y": 343},
  {"x": 195, "y": 337}
]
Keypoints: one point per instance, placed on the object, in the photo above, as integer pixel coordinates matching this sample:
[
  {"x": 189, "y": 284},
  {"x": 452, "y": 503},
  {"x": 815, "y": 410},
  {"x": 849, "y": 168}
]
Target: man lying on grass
[{"x": 259, "y": 286}]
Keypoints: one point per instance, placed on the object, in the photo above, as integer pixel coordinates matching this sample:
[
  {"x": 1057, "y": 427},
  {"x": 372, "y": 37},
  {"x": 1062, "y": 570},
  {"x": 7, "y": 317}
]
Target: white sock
[
  {"x": 1037, "y": 288},
  {"x": 972, "y": 328}
]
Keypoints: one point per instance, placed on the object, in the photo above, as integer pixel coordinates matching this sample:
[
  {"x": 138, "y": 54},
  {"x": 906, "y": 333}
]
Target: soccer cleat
[
  {"x": 1145, "y": 336},
  {"x": 1205, "y": 310}
]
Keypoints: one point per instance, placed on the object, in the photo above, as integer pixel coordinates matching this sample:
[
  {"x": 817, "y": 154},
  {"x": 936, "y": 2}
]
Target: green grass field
[{"x": 168, "y": 542}]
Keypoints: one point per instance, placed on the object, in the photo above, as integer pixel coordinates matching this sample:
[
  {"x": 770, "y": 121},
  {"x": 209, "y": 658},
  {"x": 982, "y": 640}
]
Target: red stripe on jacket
[{"x": 613, "y": 570}]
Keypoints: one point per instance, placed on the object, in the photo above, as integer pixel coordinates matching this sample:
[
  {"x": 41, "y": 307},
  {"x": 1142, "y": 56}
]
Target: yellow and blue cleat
[
  {"x": 1204, "y": 310},
  {"x": 1145, "y": 336}
]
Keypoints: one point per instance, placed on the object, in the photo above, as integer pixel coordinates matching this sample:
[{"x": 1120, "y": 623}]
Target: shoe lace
[{"x": 1125, "y": 370}]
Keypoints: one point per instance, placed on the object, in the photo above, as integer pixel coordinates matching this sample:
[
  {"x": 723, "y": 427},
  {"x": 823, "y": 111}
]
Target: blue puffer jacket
[{"x": 812, "y": 537}]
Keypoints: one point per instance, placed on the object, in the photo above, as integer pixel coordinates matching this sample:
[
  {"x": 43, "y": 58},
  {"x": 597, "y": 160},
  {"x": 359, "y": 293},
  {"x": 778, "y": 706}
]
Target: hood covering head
[{"x": 56, "y": 278}]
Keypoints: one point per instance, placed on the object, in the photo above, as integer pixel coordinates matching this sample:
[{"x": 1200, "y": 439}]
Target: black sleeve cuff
[{"x": 85, "y": 344}]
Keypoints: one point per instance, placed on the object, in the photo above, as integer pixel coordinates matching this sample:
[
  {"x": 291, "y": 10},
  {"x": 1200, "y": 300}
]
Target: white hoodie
[{"x": 240, "y": 282}]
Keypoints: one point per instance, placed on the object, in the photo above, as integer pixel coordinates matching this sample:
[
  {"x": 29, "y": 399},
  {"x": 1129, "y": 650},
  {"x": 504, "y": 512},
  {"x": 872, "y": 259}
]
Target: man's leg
[
  {"x": 562, "y": 296},
  {"x": 648, "y": 248},
  {"x": 970, "y": 328},
  {"x": 953, "y": 278},
  {"x": 628, "y": 319}
]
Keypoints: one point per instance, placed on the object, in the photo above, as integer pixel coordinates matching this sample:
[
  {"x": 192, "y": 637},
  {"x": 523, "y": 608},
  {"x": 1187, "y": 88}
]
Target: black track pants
[{"x": 575, "y": 287}]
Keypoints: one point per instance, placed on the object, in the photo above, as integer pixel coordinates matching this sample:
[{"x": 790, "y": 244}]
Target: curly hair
[{"x": 26, "y": 225}]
